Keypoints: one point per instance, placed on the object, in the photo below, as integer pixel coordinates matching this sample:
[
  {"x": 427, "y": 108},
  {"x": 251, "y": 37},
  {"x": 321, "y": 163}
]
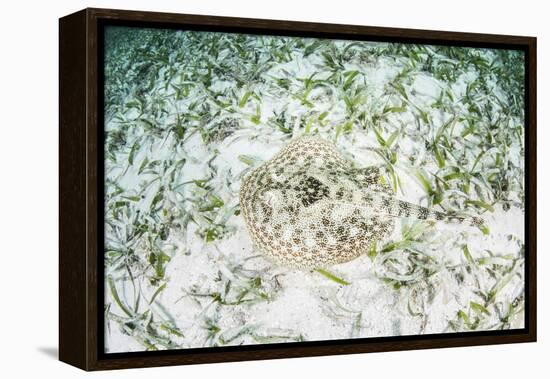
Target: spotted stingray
[{"x": 309, "y": 207}]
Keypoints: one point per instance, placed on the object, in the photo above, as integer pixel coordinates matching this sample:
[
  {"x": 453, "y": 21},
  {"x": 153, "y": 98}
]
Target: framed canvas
[{"x": 239, "y": 189}]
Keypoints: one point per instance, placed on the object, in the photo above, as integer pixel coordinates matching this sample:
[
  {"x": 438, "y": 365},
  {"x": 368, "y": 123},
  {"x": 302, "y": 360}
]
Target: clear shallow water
[{"x": 189, "y": 114}]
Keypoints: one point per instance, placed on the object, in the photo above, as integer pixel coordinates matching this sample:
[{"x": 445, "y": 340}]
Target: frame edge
[
  {"x": 531, "y": 182},
  {"x": 72, "y": 191},
  {"x": 260, "y": 25}
]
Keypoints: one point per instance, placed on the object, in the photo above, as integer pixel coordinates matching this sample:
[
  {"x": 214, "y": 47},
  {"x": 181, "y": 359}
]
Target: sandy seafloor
[{"x": 189, "y": 114}]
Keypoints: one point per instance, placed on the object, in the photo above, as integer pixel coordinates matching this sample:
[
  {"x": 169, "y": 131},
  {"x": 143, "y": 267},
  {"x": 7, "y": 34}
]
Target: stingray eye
[{"x": 278, "y": 177}]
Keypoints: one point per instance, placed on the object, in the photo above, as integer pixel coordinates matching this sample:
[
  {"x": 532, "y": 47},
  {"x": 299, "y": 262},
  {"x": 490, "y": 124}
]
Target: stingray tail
[{"x": 400, "y": 208}]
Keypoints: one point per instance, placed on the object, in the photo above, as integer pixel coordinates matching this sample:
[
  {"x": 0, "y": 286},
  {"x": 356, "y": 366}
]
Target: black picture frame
[{"x": 81, "y": 189}]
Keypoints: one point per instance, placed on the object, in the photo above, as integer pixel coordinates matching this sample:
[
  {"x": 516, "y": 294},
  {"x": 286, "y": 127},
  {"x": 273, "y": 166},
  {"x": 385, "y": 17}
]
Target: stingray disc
[{"x": 306, "y": 206}]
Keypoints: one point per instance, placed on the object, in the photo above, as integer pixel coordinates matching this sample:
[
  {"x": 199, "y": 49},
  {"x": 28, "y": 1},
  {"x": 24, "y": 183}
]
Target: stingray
[{"x": 309, "y": 207}]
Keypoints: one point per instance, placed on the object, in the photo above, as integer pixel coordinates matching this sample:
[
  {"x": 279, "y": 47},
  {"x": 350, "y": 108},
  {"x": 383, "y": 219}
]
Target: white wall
[{"x": 28, "y": 165}]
